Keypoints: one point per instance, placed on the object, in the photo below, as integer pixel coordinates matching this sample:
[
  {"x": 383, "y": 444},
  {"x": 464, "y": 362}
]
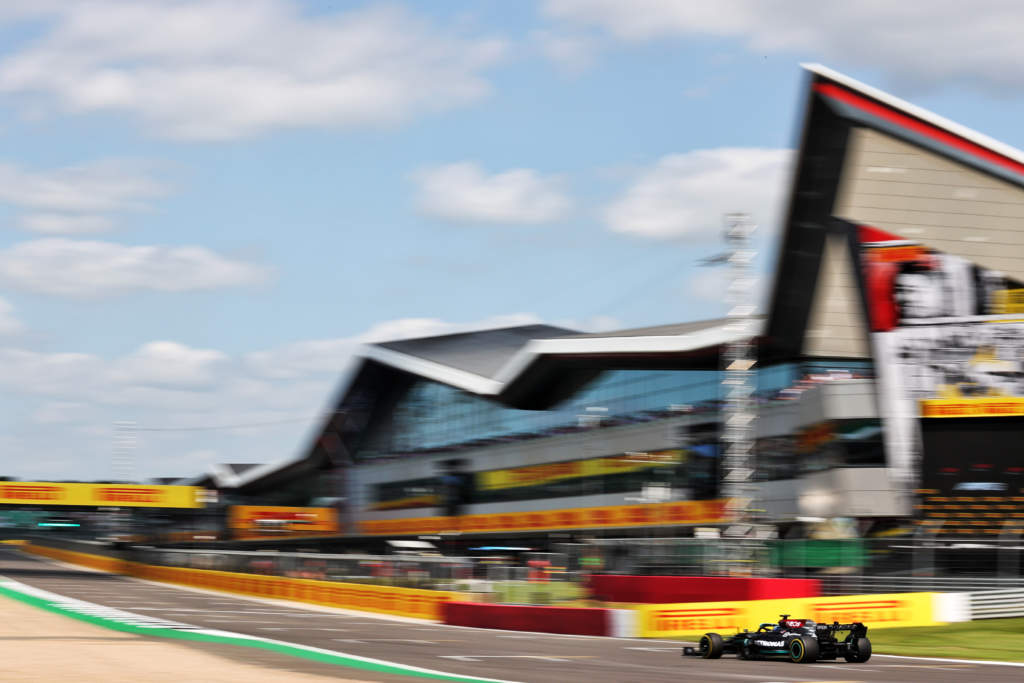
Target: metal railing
[{"x": 997, "y": 603}]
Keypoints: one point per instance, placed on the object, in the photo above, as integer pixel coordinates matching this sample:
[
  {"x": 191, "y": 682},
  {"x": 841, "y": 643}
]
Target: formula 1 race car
[{"x": 798, "y": 640}]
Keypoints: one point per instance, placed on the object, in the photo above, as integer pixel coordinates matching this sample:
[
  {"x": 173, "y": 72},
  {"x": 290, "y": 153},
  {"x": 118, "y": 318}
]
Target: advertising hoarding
[
  {"x": 948, "y": 337},
  {"x": 45, "y": 493}
]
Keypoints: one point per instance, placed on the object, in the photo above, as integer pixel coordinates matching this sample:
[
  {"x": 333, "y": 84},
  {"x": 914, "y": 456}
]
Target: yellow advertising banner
[
  {"x": 46, "y": 493},
  {"x": 653, "y": 514},
  {"x": 251, "y": 520},
  {"x": 1008, "y": 301},
  {"x": 875, "y": 611},
  {"x": 535, "y": 475},
  {"x": 406, "y": 602},
  {"x": 988, "y": 406}
]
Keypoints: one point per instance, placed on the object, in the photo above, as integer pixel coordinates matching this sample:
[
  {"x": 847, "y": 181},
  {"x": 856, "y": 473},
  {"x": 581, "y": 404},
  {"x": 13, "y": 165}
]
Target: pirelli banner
[
  {"x": 613, "y": 516},
  {"x": 973, "y": 407},
  {"x": 46, "y": 493},
  {"x": 535, "y": 475},
  {"x": 876, "y": 611},
  {"x": 259, "y": 521}
]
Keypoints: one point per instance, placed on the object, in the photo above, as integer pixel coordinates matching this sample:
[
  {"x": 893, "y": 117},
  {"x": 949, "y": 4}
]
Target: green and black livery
[{"x": 798, "y": 640}]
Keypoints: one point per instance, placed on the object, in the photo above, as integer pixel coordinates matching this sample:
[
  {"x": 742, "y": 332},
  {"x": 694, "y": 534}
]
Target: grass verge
[{"x": 996, "y": 639}]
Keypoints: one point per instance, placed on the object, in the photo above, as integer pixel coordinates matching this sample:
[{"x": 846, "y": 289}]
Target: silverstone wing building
[{"x": 890, "y": 378}]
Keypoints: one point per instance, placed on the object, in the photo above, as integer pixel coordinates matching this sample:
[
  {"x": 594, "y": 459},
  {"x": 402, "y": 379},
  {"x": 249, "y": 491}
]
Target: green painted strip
[{"x": 324, "y": 656}]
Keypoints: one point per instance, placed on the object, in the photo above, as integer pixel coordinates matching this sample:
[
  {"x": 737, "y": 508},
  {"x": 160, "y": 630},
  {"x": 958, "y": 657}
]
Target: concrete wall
[{"x": 841, "y": 492}]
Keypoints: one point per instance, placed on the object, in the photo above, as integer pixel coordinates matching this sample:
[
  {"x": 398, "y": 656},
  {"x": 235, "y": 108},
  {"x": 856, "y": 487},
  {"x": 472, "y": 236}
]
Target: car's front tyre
[{"x": 711, "y": 646}]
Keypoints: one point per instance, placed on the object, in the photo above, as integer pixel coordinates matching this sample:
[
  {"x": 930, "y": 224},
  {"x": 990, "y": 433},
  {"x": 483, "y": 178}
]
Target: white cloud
[
  {"x": 166, "y": 363},
  {"x": 78, "y": 199},
  {"x": 686, "y": 195},
  {"x": 191, "y": 406},
  {"x": 570, "y": 52},
  {"x": 89, "y": 269},
  {"x": 60, "y": 412},
  {"x": 224, "y": 69},
  {"x": 915, "y": 43},
  {"x": 65, "y": 224},
  {"x": 464, "y": 193},
  {"x": 9, "y": 323},
  {"x": 331, "y": 355}
]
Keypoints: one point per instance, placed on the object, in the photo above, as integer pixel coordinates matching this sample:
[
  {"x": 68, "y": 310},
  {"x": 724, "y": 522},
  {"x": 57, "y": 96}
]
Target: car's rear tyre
[
  {"x": 858, "y": 650},
  {"x": 711, "y": 646},
  {"x": 803, "y": 649}
]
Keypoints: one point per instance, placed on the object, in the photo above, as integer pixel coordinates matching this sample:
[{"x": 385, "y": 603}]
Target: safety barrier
[
  {"x": 583, "y": 621},
  {"x": 877, "y": 611},
  {"x": 102, "y": 562},
  {"x": 407, "y": 602},
  {"x": 996, "y": 604},
  {"x": 668, "y": 589}
]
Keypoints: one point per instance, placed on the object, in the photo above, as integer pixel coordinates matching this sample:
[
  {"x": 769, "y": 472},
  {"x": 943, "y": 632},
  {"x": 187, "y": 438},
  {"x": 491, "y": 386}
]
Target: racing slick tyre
[
  {"x": 711, "y": 646},
  {"x": 858, "y": 650},
  {"x": 803, "y": 649}
]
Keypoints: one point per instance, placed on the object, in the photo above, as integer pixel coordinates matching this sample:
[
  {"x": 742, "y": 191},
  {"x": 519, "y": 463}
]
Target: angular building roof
[
  {"x": 530, "y": 366},
  {"x": 482, "y": 353}
]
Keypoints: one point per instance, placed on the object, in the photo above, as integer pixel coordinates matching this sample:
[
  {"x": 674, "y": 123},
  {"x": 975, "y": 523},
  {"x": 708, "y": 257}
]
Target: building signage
[
  {"x": 536, "y": 475},
  {"x": 250, "y": 521},
  {"x": 972, "y": 407},
  {"x": 613, "y": 516},
  {"x": 948, "y": 338}
]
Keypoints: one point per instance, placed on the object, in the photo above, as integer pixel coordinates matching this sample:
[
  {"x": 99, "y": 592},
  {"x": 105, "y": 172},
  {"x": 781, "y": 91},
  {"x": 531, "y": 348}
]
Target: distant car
[{"x": 798, "y": 640}]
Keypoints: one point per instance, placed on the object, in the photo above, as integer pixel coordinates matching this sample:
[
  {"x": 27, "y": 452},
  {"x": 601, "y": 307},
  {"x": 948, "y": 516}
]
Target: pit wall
[
  {"x": 406, "y": 602},
  {"x": 675, "y": 589}
]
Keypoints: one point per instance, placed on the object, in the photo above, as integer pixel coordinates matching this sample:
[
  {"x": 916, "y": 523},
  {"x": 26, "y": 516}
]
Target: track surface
[{"x": 528, "y": 657}]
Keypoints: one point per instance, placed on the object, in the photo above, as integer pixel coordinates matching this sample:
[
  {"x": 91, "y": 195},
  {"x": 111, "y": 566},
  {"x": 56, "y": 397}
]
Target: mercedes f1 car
[{"x": 798, "y": 640}]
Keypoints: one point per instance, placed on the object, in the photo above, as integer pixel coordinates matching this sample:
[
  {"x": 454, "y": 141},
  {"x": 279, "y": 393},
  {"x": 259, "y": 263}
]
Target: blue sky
[{"x": 207, "y": 206}]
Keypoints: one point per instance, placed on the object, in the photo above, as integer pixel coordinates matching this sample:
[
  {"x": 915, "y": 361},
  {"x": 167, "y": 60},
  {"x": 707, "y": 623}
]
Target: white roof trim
[
  {"x": 675, "y": 343},
  {"x": 224, "y": 476},
  {"x": 472, "y": 382},
  {"x": 942, "y": 122}
]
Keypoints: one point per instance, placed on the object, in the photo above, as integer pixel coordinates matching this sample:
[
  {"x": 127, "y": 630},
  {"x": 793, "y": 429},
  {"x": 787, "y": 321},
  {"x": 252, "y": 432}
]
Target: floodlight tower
[{"x": 739, "y": 381}]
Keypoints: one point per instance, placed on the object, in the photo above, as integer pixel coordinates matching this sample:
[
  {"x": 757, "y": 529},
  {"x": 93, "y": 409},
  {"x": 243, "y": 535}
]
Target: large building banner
[{"x": 948, "y": 337}]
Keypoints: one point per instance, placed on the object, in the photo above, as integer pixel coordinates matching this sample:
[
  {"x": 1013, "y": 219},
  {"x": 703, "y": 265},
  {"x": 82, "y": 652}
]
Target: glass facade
[{"x": 436, "y": 418}]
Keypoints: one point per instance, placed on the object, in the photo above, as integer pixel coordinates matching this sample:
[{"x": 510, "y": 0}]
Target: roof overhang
[{"x": 540, "y": 374}]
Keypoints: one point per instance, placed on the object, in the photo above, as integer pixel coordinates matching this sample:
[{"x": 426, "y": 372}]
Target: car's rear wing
[{"x": 858, "y": 629}]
